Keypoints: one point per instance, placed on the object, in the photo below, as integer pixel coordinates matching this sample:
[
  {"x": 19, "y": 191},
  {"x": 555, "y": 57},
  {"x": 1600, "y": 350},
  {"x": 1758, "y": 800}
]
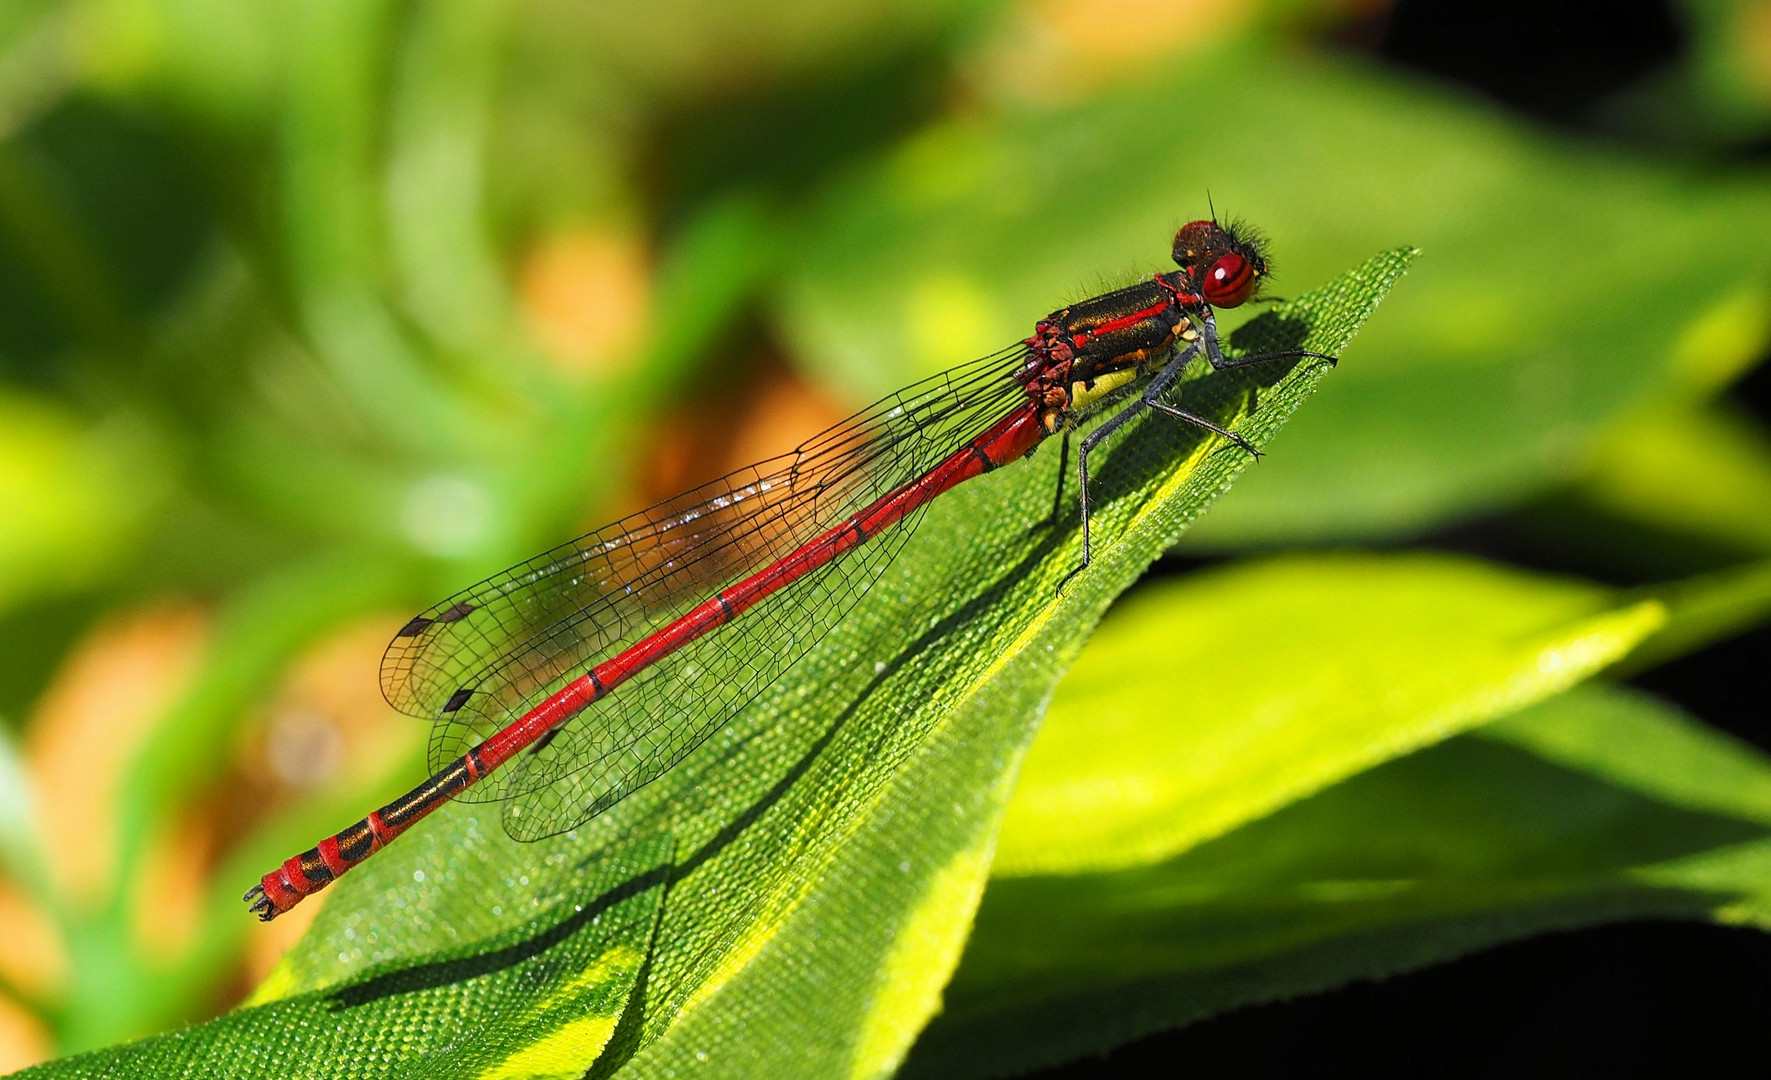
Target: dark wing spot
[
  {"x": 418, "y": 625},
  {"x": 456, "y": 613},
  {"x": 458, "y": 699},
  {"x": 541, "y": 743}
]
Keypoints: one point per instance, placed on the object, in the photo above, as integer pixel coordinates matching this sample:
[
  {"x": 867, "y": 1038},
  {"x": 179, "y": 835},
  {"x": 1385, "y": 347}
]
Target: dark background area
[
  {"x": 1636, "y": 999},
  {"x": 1646, "y": 998}
]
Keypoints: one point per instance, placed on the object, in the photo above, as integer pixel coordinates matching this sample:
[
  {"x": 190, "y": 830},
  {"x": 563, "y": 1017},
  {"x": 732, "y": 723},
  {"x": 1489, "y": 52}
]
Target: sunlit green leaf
[
  {"x": 1592, "y": 806},
  {"x": 1702, "y": 610},
  {"x": 1210, "y": 701},
  {"x": 1700, "y": 472},
  {"x": 548, "y": 993}
]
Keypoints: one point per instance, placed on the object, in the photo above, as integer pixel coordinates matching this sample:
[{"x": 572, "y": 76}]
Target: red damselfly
[{"x": 606, "y": 660}]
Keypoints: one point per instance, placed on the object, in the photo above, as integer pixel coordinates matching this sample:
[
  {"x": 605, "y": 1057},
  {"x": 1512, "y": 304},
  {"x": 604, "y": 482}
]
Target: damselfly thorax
[{"x": 1095, "y": 352}]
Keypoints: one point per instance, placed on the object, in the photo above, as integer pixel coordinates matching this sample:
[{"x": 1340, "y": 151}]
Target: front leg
[
  {"x": 1208, "y": 333},
  {"x": 1200, "y": 421},
  {"x": 1164, "y": 379}
]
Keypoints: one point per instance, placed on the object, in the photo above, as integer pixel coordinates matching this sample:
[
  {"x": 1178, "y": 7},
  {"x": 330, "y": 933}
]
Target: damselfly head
[{"x": 1224, "y": 262}]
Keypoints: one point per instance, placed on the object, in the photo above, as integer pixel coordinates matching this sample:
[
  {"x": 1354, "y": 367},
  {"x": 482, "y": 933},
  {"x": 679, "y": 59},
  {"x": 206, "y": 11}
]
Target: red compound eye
[{"x": 1229, "y": 282}]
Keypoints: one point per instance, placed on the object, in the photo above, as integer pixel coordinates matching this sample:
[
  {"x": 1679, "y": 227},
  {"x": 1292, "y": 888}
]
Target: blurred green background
[{"x": 313, "y": 311}]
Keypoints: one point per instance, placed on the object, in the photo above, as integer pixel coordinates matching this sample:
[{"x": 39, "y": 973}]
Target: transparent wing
[{"x": 485, "y": 656}]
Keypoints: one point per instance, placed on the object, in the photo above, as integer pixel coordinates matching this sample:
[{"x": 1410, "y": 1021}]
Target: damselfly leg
[
  {"x": 1151, "y": 398},
  {"x": 1219, "y": 362}
]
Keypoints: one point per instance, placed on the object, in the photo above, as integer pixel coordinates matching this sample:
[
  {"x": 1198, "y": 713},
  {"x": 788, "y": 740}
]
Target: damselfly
[{"x": 610, "y": 658}]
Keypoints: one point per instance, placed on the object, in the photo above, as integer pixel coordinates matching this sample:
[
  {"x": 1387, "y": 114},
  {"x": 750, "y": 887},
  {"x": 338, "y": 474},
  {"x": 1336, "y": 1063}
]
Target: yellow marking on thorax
[{"x": 1081, "y": 394}]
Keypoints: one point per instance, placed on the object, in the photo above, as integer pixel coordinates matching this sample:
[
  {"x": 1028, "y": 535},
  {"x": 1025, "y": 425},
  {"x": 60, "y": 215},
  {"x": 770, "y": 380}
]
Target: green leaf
[
  {"x": 1595, "y": 805},
  {"x": 1527, "y": 331},
  {"x": 1633, "y": 741},
  {"x": 330, "y": 214},
  {"x": 1701, "y": 472},
  {"x": 546, "y": 996},
  {"x": 832, "y": 840},
  {"x": 73, "y": 499},
  {"x": 1703, "y": 609},
  {"x": 680, "y": 47},
  {"x": 1209, "y": 701},
  {"x": 441, "y": 116}
]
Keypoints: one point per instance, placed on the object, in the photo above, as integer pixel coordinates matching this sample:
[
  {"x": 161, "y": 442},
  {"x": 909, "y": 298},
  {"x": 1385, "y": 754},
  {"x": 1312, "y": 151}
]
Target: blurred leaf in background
[{"x": 312, "y": 312}]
